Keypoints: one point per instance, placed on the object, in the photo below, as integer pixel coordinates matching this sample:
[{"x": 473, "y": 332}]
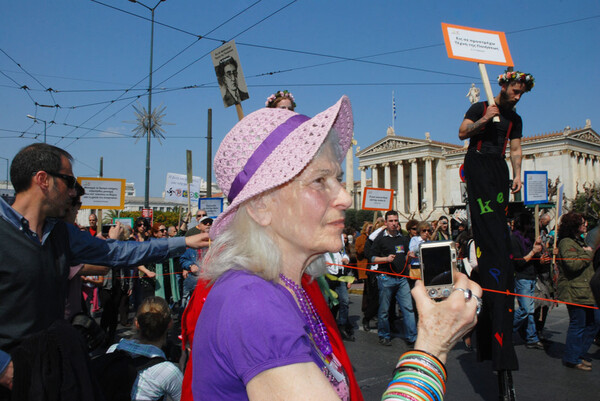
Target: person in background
[
  {"x": 526, "y": 252},
  {"x": 152, "y": 321},
  {"x": 442, "y": 230},
  {"x": 411, "y": 227},
  {"x": 575, "y": 272},
  {"x": 281, "y": 100}
]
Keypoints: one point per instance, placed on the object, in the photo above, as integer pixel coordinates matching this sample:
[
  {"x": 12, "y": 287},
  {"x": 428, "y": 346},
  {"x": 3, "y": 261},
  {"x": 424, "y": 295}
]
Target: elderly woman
[
  {"x": 575, "y": 272},
  {"x": 259, "y": 336}
]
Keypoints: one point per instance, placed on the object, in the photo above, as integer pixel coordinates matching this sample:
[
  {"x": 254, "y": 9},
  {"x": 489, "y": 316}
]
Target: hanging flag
[{"x": 394, "y": 105}]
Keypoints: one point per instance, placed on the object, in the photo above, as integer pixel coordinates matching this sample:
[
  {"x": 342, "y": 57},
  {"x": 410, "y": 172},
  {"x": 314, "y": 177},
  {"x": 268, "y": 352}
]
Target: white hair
[{"x": 246, "y": 245}]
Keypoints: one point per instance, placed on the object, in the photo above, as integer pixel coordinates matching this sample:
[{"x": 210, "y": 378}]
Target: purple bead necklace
[{"x": 311, "y": 318}]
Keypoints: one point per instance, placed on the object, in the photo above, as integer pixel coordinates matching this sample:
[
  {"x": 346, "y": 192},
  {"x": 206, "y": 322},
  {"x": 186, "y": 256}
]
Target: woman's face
[
  {"x": 307, "y": 214},
  {"x": 443, "y": 223},
  {"x": 583, "y": 227},
  {"x": 285, "y": 103},
  {"x": 426, "y": 233}
]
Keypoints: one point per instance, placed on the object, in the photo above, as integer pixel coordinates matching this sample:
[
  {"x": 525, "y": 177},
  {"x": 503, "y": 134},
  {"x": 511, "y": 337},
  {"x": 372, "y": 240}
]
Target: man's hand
[
  {"x": 491, "y": 112},
  {"x": 6, "y": 377},
  {"x": 391, "y": 258},
  {"x": 516, "y": 185},
  {"x": 116, "y": 231},
  {"x": 194, "y": 269},
  {"x": 537, "y": 246},
  {"x": 197, "y": 241}
]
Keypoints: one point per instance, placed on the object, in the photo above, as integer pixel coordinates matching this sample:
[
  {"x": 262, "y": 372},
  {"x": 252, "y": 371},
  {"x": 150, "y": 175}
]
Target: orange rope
[{"x": 484, "y": 289}]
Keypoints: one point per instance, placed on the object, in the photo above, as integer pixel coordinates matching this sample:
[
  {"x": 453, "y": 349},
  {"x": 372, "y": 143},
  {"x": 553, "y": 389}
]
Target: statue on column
[{"x": 473, "y": 94}]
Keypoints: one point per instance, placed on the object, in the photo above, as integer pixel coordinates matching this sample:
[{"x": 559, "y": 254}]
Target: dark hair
[
  {"x": 220, "y": 69},
  {"x": 443, "y": 218},
  {"x": 525, "y": 224},
  {"x": 569, "y": 225},
  {"x": 390, "y": 213},
  {"x": 153, "y": 317},
  {"x": 33, "y": 158},
  {"x": 412, "y": 223}
]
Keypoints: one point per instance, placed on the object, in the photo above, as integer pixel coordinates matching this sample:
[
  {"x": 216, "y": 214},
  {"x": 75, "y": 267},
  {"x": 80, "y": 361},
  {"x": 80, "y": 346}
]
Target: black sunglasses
[
  {"x": 162, "y": 229},
  {"x": 69, "y": 179},
  {"x": 427, "y": 231}
]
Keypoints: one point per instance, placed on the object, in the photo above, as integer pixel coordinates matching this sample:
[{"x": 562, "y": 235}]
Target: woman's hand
[{"x": 443, "y": 324}]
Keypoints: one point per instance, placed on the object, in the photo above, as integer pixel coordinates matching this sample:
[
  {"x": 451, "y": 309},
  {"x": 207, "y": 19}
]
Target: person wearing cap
[
  {"x": 200, "y": 214},
  {"x": 488, "y": 183},
  {"x": 259, "y": 335}
]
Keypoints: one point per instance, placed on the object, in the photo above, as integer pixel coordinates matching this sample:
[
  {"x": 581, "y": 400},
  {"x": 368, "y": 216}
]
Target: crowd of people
[{"x": 264, "y": 285}]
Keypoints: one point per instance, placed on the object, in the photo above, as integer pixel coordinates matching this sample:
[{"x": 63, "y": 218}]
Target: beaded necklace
[{"x": 311, "y": 318}]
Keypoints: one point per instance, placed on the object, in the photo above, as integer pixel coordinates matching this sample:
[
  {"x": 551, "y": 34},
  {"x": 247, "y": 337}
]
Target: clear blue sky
[{"x": 91, "y": 53}]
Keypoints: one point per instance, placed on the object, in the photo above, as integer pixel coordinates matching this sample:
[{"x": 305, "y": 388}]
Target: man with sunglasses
[
  {"x": 38, "y": 248},
  {"x": 198, "y": 228}
]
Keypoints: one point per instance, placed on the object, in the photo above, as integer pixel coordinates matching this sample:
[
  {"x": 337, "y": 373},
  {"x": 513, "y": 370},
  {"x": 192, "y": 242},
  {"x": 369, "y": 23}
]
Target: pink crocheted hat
[{"x": 269, "y": 147}]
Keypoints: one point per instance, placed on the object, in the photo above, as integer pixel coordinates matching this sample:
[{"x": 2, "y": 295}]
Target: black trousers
[{"x": 487, "y": 187}]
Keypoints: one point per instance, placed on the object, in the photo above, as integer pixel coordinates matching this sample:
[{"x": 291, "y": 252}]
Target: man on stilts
[{"x": 487, "y": 187}]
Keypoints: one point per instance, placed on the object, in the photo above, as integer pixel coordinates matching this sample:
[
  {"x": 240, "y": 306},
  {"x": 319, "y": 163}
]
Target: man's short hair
[
  {"x": 34, "y": 158},
  {"x": 390, "y": 213},
  {"x": 220, "y": 69}
]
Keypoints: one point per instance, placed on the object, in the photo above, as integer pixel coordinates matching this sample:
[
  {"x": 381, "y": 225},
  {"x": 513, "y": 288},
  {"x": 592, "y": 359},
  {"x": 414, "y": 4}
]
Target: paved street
[{"x": 541, "y": 375}]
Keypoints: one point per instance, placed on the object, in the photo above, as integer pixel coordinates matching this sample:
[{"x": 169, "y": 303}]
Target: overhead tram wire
[
  {"x": 143, "y": 79},
  {"x": 341, "y": 59}
]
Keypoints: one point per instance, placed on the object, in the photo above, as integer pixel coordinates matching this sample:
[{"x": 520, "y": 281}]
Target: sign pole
[
  {"x": 537, "y": 221},
  {"x": 240, "y": 111},
  {"x": 488, "y": 88},
  {"x": 188, "y": 157}
]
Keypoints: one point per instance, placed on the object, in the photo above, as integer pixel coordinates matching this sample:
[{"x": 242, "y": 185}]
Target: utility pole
[{"x": 209, "y": 156}]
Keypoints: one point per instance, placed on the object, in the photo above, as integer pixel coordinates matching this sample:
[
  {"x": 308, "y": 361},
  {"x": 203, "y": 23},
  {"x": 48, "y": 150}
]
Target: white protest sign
[
  {"x": 102, "y": 193},
  {"x": 478, "y": 45},
  {"x": 378, "y": 199},
  {"x": 535, "y": 187},
  {"x": 176, "y": 188},
  {"x": 212, "y": 206}
]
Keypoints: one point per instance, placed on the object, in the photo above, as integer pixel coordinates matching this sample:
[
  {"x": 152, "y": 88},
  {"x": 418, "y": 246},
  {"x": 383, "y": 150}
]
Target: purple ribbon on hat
[{"x": 263, "y": 151}]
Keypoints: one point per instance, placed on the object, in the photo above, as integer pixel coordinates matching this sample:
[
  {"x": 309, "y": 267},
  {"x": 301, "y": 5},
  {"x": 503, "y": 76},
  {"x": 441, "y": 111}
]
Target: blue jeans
[
  {"x": 344, "y": 301},
  {"x": 524, "y": 315},
  {"x": 390, "y": 286},
  {"x": 583, "y": 326}
]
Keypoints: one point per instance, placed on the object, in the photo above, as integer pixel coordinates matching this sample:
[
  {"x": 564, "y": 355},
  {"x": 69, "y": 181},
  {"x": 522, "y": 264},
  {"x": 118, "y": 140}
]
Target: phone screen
[
  {"x": 105, "y": 229},
  {"x": 437, "y": 265}
]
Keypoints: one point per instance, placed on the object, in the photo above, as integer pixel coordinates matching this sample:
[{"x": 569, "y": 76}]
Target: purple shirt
[{"x": 247, "y": 325}]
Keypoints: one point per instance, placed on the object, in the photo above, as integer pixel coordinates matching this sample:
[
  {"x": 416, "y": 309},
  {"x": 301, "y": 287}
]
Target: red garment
[{"x": 194, "y": 307}]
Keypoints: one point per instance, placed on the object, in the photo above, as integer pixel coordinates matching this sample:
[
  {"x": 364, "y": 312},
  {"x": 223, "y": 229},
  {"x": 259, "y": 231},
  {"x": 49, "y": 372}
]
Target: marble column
[
  {"x": 414, "y": 187},
  {"x": 440, "y": 182},
  {"x": 387, "y": 175},
  {"x": 589, "y": 174},
  {"x": 363, "y": 184},
  {"x": 428, "y": 182},
  {"x": 597, "y": 169},
  {"x": 374, "y": 176},
  {"x": 400, "y": 196},
  {"x": 350, "y": 174}
]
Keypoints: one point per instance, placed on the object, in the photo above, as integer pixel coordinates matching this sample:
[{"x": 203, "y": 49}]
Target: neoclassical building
[{"x": 424, "y": 173}]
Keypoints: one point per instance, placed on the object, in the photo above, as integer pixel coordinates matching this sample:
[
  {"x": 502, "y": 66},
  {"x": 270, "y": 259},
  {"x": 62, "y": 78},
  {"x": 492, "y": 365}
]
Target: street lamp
[
  {"x": 35, "y": 119},
  {"x": 4, "y": 158},
  {"x": 148, "y": 133}
]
